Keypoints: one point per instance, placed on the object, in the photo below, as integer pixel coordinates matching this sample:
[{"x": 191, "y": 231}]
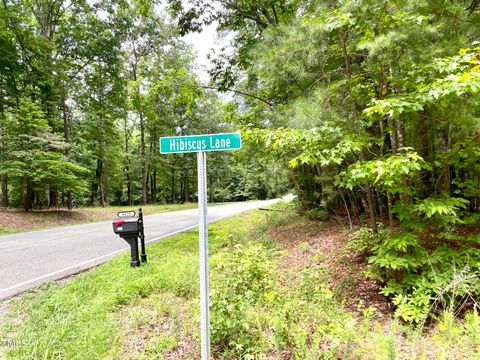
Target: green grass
[
  {"x": 258, "y": 309},
  {"x": 78, "y": 320},
  {"x": 9, "y": 231}
]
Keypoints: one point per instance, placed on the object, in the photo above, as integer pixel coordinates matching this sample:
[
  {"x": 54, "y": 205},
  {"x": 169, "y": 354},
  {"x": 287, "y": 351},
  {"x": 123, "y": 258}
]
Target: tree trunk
[
  {"x": 4, "y": 202},
  {"x": 154, "y": 187},
  {"x": 173, "y": 185},
  {"x": 127, "y": 166},
  {"x": 93, "y": 193},
  {"x": 105, "y": 183},
  {"x": 35, "y": 199},
  {"x": 181, "y": 189},
  {"x": 389, "y": 196},
  {"x": 129, "y": 187},
  {"x": 379, "y": 203},
  {"x": 21, "y": 192},
  {"x": 28, "y": 196},
  {"x": 347, "y": 210},
  {"x": 66, "y": 134},
  {"x": 96, "y": 188},
  {"x": 52, "y": 194},
  {"x": 186, "y": 191},
  {"x": 448, "y": 170},
  {"x": 355, "y": 206},
  {"x": 142, "y": 128},
  {"x": 390, "y": 210},
  {"x": 144, "y": 163},
  {"x": 392, "y": 133},
  {"x": 103, "y": 152},
  {"x": 102, "y": 197},
  {"x": 303, "y": 203},
  {"x": 3, "y": 178},
  {"x": 153, "y": 190},
  {"x": 355, "y": 112}
]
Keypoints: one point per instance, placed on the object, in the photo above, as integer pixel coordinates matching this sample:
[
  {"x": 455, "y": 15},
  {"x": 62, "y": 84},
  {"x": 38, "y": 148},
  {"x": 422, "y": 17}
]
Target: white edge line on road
[{"x": 75, "y": 269}]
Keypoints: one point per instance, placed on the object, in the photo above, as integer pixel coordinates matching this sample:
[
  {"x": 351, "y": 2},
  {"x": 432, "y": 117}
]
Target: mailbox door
[{"x": 125, "y": 226}]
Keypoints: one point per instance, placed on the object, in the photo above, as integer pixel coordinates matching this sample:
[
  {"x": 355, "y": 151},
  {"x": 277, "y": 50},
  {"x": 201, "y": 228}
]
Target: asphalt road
[{"x": 30, "y": 259}]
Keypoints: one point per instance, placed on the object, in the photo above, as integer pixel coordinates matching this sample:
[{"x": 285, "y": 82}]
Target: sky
[{"x": 203, "y": 43}]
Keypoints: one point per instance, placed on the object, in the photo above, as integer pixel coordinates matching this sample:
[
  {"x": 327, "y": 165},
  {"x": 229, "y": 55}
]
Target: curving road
[{"x": 30, "y": 259}]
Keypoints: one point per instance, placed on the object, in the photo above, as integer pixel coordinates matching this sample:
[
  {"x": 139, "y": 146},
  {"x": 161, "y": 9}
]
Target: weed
[
  {"x": 244, "y": 280},
  {"x": 257, "y": 311}
]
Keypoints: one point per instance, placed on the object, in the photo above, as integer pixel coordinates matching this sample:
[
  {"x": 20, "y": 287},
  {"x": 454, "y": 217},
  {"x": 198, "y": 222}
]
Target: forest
[
  {"x": 373, "y": 108},
  {"x": 368, "y": 110},
  {"x": 86, "y": 90}
]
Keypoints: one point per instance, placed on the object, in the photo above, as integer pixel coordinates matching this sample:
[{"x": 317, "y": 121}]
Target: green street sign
[
  {"x": 200, "y": 144},
  {"x": 197, "y": 143}
]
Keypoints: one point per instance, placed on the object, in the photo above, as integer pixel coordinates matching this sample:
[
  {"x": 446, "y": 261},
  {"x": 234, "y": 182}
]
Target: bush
[
  {"x": 254, "y": 314},
  {"x": 419, "y": 280},
  {"x": 427, "y": 265},
  {"x": 242, "y": 280}
]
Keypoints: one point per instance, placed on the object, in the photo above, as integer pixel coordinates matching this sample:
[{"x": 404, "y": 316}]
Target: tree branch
[
  {"x": 241, "y": 93},
  {"x": 269, "y": 103},
  {"x": 241, "y": 12}
]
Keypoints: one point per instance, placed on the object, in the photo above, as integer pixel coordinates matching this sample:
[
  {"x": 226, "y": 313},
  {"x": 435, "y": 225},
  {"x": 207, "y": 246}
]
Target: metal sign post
[
  {"x": 200, "y": 144},
  {"x": 203, "y": 250}
]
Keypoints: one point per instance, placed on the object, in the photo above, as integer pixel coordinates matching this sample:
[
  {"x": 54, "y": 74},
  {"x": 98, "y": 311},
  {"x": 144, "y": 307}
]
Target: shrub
[
  {"x": 420, "y": 283},
  {"x": 253, "y": 313},
  {"x": 242, "y": 279}
]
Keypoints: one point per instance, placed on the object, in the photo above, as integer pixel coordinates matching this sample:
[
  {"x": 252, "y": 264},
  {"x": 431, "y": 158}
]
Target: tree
[
  {"x": 109, "y": 78},
  {"x": 36, "y": 157},
  {"x": 378, "y": 111}
]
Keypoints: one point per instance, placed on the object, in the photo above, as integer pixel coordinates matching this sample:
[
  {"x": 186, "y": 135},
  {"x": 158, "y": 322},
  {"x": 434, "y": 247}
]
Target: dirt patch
[
  {"x": 311, "y": 243},
  {"x": 4, "y": 310},
  {"x": 12, "y": 221},
  {"x": 15, "y": 221}
]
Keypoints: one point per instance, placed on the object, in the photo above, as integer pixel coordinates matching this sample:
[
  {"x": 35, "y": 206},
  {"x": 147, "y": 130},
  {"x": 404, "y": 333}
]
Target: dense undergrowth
[
  {"x": 264, "y": 304},
  {"x": 430, "y": 263}
]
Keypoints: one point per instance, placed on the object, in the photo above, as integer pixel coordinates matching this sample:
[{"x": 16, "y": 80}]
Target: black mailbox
[
  {"x": 126, "y": 226},
  {"x": 129, "y": 227}
]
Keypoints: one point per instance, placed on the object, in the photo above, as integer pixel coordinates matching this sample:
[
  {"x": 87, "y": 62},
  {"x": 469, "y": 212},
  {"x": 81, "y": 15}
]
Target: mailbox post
[
  {"x": 133, "y": 242},
  {"x": 142, "y": 235},
  {"x": 128, "y": 228}
]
